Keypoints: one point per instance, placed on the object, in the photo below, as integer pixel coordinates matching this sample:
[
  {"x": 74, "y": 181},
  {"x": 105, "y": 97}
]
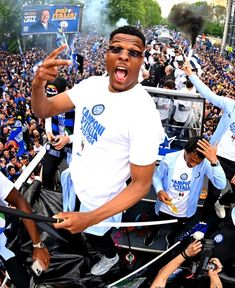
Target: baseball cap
[{"x": 55, "y": 87}]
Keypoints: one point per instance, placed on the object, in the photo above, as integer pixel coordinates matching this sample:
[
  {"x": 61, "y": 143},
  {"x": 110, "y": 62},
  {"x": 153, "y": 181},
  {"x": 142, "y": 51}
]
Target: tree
[
  {"x": 152, "y": 13},
  {"x": 131, "y": 10},
  {"x": 214, "y": 28},
  {"x": 219, "y": 13},
  {"x": 147, "y": 12},
  {"x": 214, "y": 16},
  {"x": 10, "y": 19}
]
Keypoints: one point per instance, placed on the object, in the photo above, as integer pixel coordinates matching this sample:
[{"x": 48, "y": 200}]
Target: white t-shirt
[
  {"x": 182, "y": 110},
  {"x": 180, "y": 78},
  {"x": 111, "y": 130},
  {"x": 226, "y": 146},
  {"x": 164, "y": 106},
  {"x": 179, "y": 189},
  {"x": 5, "y": 187}
]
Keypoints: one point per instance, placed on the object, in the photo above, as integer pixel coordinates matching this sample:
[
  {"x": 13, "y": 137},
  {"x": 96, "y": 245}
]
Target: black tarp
[{"x": 70, "y": 261}]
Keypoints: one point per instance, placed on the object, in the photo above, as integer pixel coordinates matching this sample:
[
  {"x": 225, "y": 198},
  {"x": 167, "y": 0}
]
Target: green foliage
[
  {"x": 214, "y": 28},
  {"x": 214, "y": 16},
  {"x": 147, "y": 12},
  {"x": 131, "y": 10},
  {"x": 10, "y": 19},
  {"x": 152, "y": 14}
]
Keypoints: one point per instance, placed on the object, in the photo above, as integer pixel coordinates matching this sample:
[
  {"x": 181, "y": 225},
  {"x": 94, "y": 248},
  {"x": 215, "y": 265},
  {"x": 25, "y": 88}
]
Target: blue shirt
[{"x": 164, "y": 173}]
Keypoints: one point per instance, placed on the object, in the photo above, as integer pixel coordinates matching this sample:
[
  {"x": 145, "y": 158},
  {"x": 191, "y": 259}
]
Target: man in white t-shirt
[
  {"x": 117, "y": 132},
  {"x": 178, "y": 181},
  {"x": 19, "y": 277}
]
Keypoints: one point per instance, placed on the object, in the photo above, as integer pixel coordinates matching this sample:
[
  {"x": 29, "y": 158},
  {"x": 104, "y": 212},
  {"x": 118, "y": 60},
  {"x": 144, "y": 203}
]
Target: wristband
[
  {"x": 185, "y": 256},
  {"x": 215, "y": 164}
]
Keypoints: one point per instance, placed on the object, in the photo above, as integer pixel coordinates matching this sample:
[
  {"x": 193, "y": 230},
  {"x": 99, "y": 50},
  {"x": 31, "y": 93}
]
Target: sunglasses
[{"x": 131, "y": 53}]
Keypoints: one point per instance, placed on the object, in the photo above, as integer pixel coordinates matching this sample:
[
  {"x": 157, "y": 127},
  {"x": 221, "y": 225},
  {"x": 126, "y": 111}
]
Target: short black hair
[
  {"x": 130, "y": 30},
  {"x": 192, "y": 146}
]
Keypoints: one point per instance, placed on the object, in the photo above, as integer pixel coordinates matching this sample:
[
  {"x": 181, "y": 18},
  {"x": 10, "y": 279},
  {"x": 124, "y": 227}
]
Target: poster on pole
[{"x": 49, "y": 19}]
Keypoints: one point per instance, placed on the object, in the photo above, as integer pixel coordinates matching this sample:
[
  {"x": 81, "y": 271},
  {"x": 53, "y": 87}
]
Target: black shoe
[{"x": 149, "y": 239}]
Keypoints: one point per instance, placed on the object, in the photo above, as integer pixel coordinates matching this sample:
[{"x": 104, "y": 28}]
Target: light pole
[{"x": 225, "y": 34}]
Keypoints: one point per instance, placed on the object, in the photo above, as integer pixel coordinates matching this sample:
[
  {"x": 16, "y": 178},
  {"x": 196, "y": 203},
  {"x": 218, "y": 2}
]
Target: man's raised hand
[
  {"x": 48, "y": 70},
  {"x": 208, "y": 150}
]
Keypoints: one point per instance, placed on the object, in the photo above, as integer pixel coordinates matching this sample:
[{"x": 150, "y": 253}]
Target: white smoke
[
  {"x": 95, "y": 17},
  {"x": 121, "y": 22}
]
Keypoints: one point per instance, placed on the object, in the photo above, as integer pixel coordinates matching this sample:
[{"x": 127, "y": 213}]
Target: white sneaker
[
  {"x": 104, "y": 265},
  {"x": 219, "y": 209}
]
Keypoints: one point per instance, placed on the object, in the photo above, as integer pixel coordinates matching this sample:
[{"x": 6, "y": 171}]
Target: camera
[{"x": 201, "y": 264}]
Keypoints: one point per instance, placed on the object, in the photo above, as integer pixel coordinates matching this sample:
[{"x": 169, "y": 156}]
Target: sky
[{"x": 166, "y": 5}]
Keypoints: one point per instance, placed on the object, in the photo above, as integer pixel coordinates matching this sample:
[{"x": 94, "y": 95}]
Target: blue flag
[
  {"x": 17, "y": 135},
  {"x": 36, "y": 65},
  {"x": 19, "y": 46}
]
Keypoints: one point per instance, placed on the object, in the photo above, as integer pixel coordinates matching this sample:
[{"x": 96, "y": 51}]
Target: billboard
[{"x": 45, "y": 19}]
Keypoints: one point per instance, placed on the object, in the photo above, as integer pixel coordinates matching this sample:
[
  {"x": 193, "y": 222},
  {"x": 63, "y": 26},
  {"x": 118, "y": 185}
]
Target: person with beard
[{"x": 117, "y": 132}]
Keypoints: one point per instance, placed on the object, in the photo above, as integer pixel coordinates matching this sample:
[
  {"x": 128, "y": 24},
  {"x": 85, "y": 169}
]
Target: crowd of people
[
  {"x": 16, "y": 90},
  {"x": 119, "y": 144}
]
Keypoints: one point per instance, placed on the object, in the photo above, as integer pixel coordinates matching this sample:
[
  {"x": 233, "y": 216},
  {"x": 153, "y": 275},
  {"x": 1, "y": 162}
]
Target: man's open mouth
[{"x": 121, "y": 73}]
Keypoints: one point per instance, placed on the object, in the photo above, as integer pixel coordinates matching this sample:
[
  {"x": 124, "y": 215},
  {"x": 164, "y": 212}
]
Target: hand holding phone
[{"x": 37, "y": 267}]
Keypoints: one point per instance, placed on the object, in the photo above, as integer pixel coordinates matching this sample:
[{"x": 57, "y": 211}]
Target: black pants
[
  {"x": 50, "y": 166},
  {"x": 214, "y": 193},
  {"x": 177, "y": 228},
  {"x": 104, "y": 244},
  {"x": 225, "y": 248}
]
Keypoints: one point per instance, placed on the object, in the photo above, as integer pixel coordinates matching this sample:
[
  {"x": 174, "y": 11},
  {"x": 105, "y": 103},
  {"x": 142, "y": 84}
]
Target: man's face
[
  {"x": 45, "y": 16},
  {"x": 192, "y": 159},
  {"x": 12, "y": 171},
  {"x": 123, "y": 61}
]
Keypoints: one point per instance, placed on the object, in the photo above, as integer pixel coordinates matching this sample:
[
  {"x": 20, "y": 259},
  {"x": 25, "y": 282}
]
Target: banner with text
[{"x": 45, "y": 19}]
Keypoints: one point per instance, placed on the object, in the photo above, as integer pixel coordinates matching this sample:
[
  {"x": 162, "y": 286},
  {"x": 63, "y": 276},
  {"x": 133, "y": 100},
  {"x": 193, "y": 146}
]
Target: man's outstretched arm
[
  {"x": 15, "y": 199},
  {"x": 43, "y": 106},
  {"x": 141, "y": 180}
]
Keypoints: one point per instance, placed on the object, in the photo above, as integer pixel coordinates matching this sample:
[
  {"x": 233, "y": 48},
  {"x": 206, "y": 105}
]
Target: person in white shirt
[
  {"x": 117, "y": 132},
  {"x": 178, "y": 182}
]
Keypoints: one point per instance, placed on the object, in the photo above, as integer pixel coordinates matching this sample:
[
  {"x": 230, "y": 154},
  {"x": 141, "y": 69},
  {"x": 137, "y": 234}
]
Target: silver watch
[{"x": 40, "y": 245}]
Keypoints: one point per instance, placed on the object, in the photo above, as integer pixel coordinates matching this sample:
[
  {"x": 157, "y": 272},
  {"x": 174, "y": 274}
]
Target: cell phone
[{"x": 37, "y": 267}]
